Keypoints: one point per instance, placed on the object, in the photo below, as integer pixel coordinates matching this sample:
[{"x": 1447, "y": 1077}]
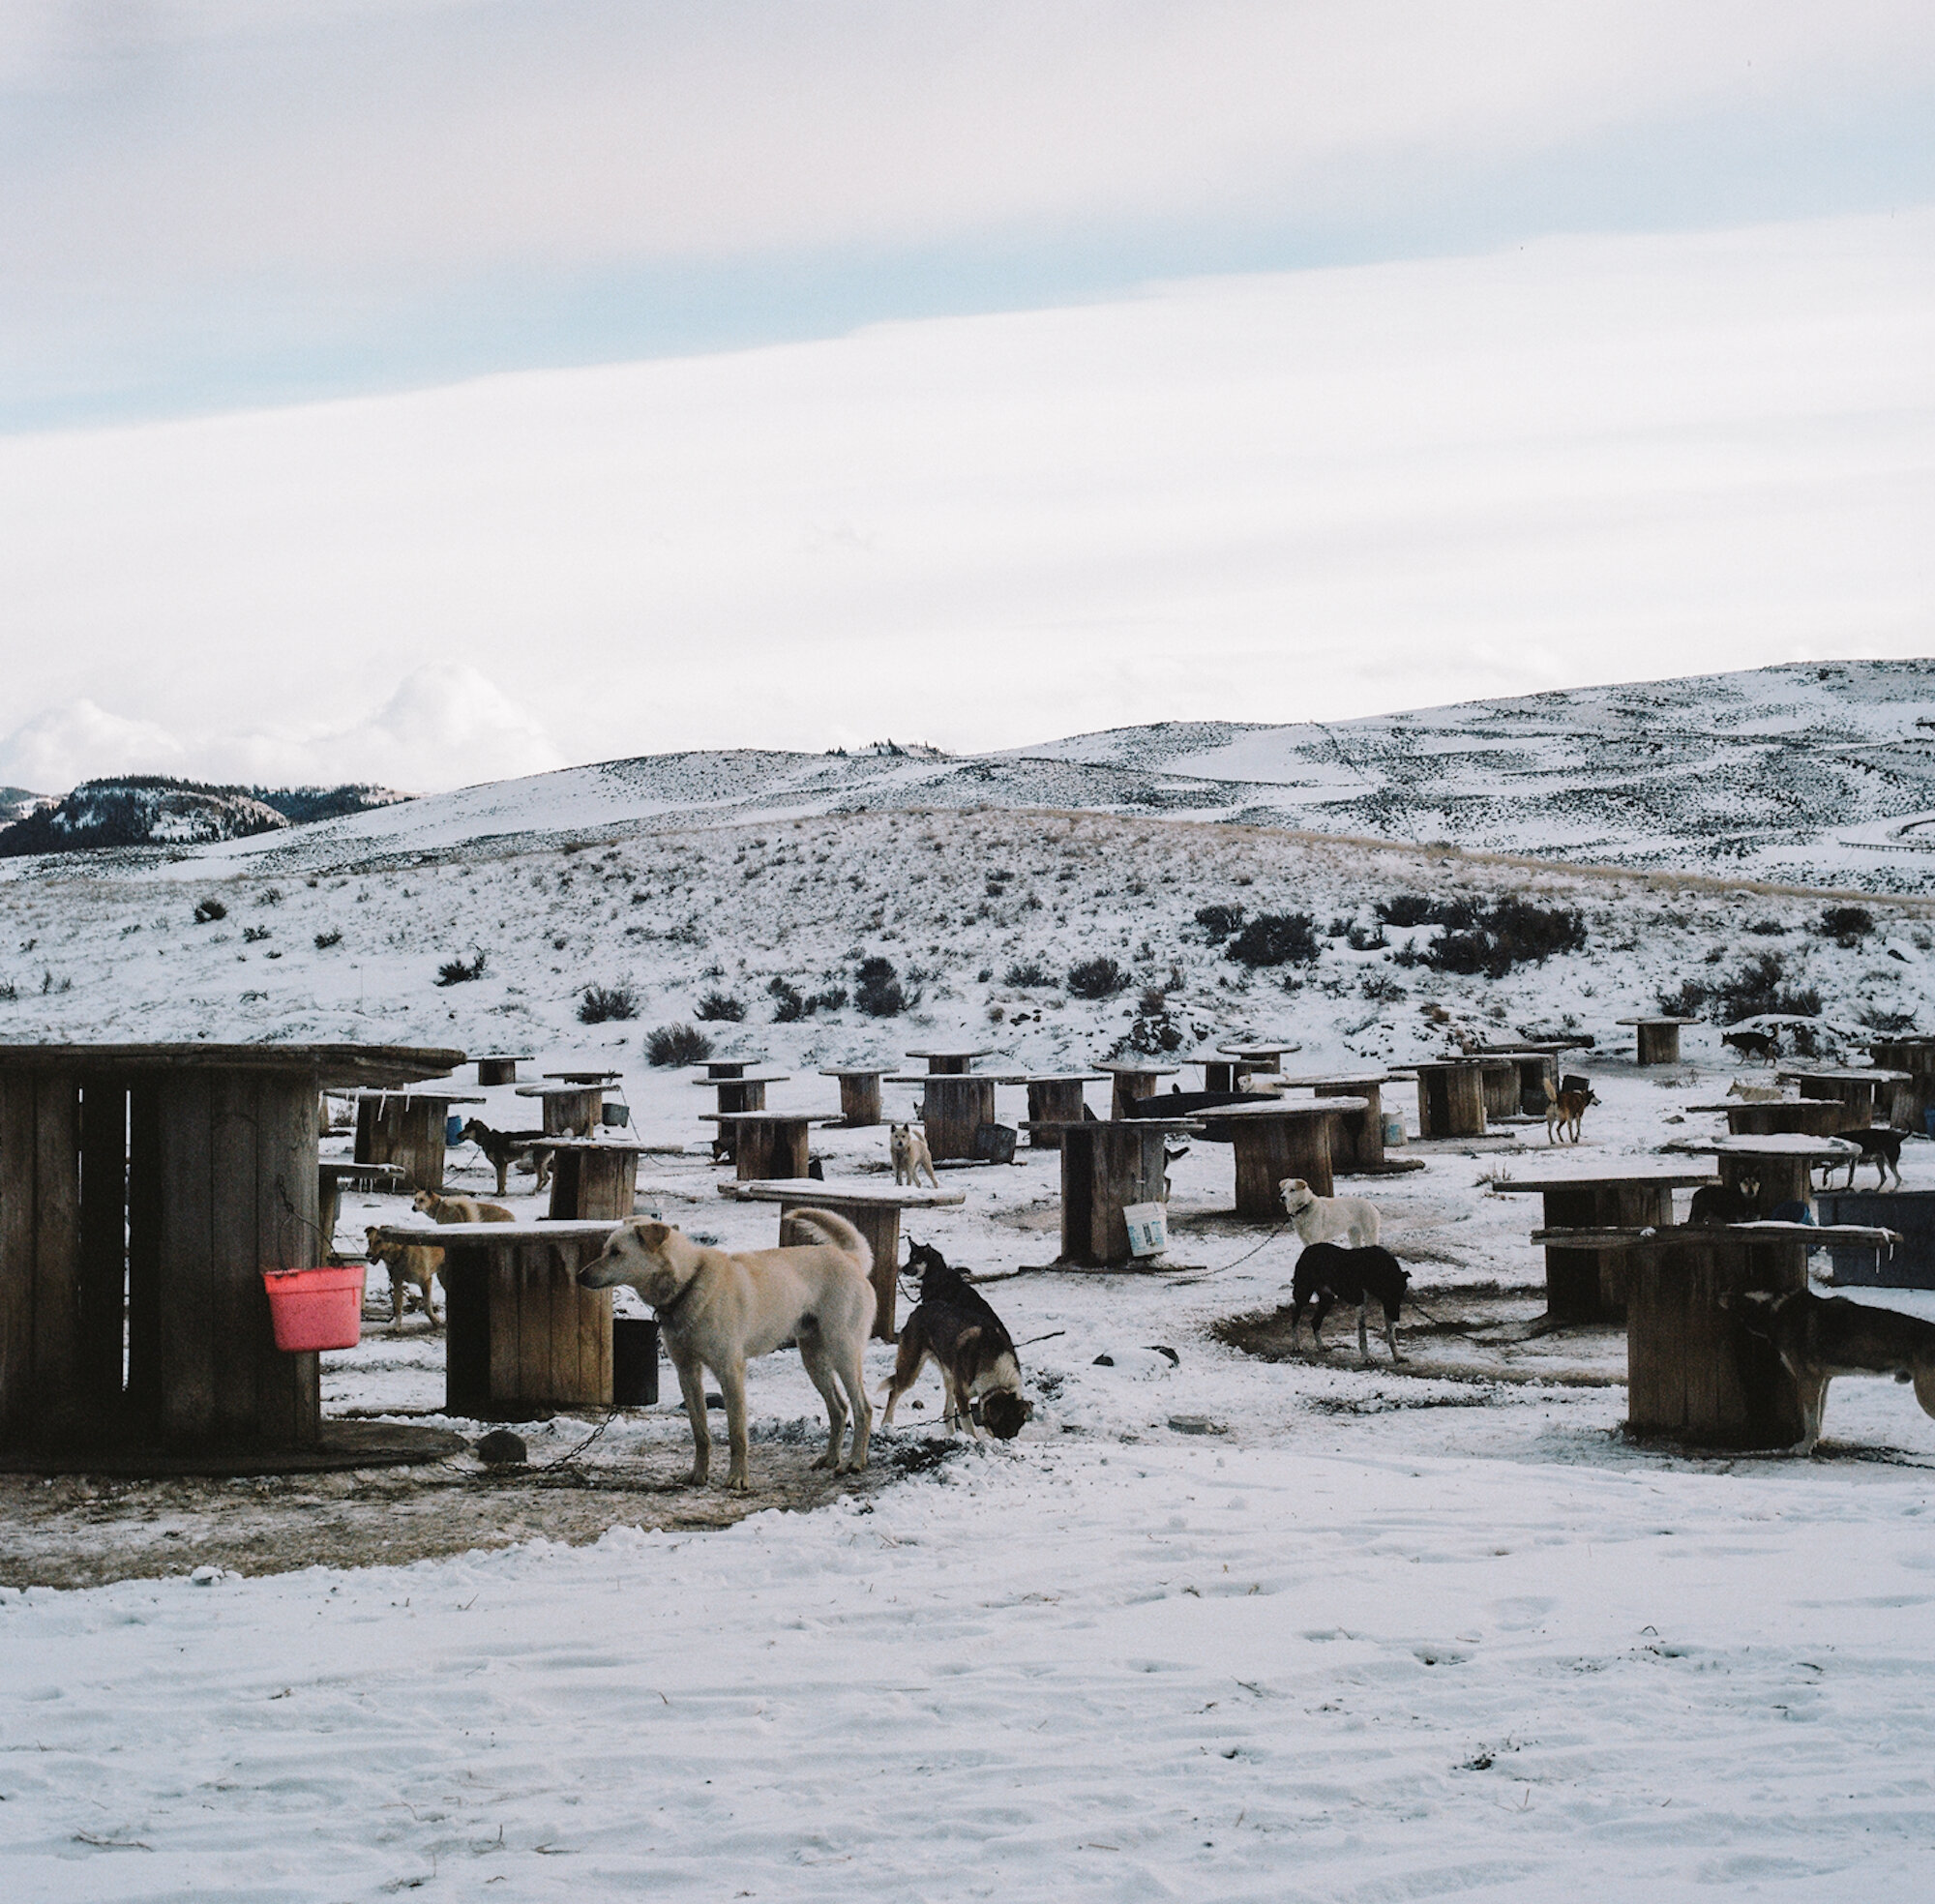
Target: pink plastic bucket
[{"x": 315, "y": 1308}]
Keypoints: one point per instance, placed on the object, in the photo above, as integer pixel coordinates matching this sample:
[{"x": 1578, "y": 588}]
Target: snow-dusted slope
[{"x": 1816, "y": 775}]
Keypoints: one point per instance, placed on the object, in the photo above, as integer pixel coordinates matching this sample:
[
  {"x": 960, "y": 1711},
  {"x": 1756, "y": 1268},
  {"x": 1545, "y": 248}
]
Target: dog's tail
[
  {"x": 836, "y": 1233},
  {"x": 1551, "y": 1091}
]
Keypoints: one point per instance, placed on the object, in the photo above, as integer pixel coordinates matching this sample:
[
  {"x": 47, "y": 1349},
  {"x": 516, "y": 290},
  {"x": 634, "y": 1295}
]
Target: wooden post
[
  {"x": 1269, "y": 1149},
  {"x": 770, "y": 1147},
  {"x": 1105, "y": 1167},
  {"x": 859, "y": 1098},
  {"x": 1589, "y": 1285},
  {"x": 1223, "y": 1074},
  {"x": 1501, "y": 1085},
  {"x": 1132, "y": 1086},
  {"x": 571, "y": 1113},
  {"x": 497, "y": 1070},
  {"x": 1693, "y": 1373},
  {"x": 1357, "y": 1137},
  {"x": 104, "y": 1244},
  {"x": 522, "y": 1339},
  {"x": 1658, "y": 1041},
  {"x": 1916, "y": 1057},
  {"x": 1451, "y": 1101},
  {"x": 594, "y": 1182},
  {"x": 956, "y": 1105},
  {"x": 406, "y": 1131},
  {"x": 1807, "y": 1117},
  {"x": 1768, "y": 1181},
  {"x": 742, "y": 1094},
  {"x": 1053, "y": 1101}
]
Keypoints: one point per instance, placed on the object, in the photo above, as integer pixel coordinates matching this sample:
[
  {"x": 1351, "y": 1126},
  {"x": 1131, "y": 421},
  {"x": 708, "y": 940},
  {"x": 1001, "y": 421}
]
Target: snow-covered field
[{"x": 1372, "y": 1636}]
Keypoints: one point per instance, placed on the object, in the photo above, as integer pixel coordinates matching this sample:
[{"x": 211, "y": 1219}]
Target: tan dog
[
  {"x": 1564, "y": 1112},
  {"x": 716, "y": 1310},
  {"x": 415, "y": 1264},
  {"x": 460, "y": 1209},
  {"x": 908, "y": 1149}
]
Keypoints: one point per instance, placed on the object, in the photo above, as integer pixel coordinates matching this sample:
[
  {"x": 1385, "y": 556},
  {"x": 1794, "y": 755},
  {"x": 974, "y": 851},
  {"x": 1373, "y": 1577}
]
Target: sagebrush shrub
[
  {"x": 878, "y": 990},
  {"x": 1218, "y": 922},
  {"x": 600, "y": 1004},
  {"x": 1276, "y": 938},
  {"x": 1098, "y": 978},
  {"x": 677, "y": 1044},
  {"x": 719, "y": 1008},
  {"x": 208, "y": 911},
  {"x": 460, "y": 972}
]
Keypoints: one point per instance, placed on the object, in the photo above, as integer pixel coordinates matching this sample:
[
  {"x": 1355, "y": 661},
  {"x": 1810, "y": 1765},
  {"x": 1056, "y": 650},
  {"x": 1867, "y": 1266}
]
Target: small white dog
[
  {"x": 909, "y": 1153},
  {"x": 1346, "y": 1220}
]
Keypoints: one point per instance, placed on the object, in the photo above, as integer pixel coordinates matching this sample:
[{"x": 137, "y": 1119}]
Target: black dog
[
  {"x": 1722, "y": 1203},
  {"x": 1881, "y": 1147},
  {"x": 501, "y": 1146},
  {"x": 1332, "y": 1273},
  {"x": 955, "y": 1325}
]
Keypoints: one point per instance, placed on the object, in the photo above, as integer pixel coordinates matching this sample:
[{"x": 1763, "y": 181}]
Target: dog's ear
[{"x": 651, "y": 1235}]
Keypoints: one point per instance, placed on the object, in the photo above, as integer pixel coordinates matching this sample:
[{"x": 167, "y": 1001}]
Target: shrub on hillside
[
  {"x": 209, "y": 910},
  {"x": 1219, "y": 921},
  {"x": 1757, "y": 989},
  {"x": 1098, "y": 978},
  {"x": 720, "y": 1008},
  {"x": 1276, "y": 938},
  {"x": 325, "y": 939},
  {"x": 677, "y": 1044},
  {"x": 878, "y": 990},
  {"x": 1846, "y": 925},
  {"x": 599, "y": 1005},
  {"x": 460, "y": 972},
  {"x": 1026, "y": 972}
]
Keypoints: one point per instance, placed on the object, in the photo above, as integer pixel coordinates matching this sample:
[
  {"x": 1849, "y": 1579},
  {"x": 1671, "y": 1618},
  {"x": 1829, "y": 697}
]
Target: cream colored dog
[
  {"x": 460, "y": 1209},
  {"x": 415, "y": 1265},
  {"x": 908, "y": 1149},
  {"x": 718, "y": 1309}
]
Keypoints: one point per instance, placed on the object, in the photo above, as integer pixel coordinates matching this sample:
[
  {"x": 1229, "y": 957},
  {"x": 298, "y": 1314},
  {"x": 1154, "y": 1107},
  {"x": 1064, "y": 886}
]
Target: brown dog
[
  {"x": 1564, "y": 1111},
  {"x": 460, "y": 1209},
  {"x": 410, "y": 1265}
]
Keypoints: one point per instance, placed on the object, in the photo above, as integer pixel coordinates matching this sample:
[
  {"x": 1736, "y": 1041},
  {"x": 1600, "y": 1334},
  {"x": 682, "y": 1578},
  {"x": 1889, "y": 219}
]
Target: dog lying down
[
  {"x": 1819, "y": 1337},
  {"x": 717, "y": 1309},
  {"x": 1331, "y": 1274},
  {"x": 956, "y": 1327}
]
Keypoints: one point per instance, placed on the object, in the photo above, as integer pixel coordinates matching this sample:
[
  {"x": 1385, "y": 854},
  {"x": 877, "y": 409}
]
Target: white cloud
[
  {"x": 445, "y": 726},
  {"x": 1307, "y": 494}
]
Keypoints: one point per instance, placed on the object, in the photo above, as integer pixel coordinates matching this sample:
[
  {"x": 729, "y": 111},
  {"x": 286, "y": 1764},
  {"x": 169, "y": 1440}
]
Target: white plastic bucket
[
  {"x": 1149, "y": 1228},
  {"x": 1393, "y": 1128}
]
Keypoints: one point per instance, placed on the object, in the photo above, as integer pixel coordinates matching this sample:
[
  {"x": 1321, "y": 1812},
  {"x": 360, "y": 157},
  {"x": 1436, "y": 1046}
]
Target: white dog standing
[
  {"x": 717, "y": 1309},
  {"x": 1347, "y": 1220},
  {"x": 908, "y": 1149}
]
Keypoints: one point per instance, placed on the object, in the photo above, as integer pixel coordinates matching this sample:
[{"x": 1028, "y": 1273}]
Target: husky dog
[
  {"x": 956, "y": 1327},
  {"x": 414, "y": 1264},
  {"x": 1881, "y": 1147},
  {"x": 908, "y": 1149},
  {"x": 1564, "y": 1111},
  {"x": 1820, "y": 1337},
  {"x": 501, "y": 1146},
  {"x": 716, "y": 1310},
  {"x": 1327, "y": 1219},
  {"x": 460, "y": 1209},
  {"x": 1331, "y": 1274}
]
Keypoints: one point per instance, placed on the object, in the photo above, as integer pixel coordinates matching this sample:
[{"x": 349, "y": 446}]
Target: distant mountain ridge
[
  {"x": 1809, "y": 774},
  {"x": 149, "y": 810}
]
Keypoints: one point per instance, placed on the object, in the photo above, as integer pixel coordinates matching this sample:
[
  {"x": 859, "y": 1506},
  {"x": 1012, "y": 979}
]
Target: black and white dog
[
  {"x": 956, "y": 1327},
  {"x": 1332, "y": 1273}
]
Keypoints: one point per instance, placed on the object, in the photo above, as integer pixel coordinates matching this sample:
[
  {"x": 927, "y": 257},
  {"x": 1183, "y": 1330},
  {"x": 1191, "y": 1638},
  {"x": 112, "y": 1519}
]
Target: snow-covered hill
[
  {"x": 1818, "y": 775},
  {"x": 149, "y": 810}
]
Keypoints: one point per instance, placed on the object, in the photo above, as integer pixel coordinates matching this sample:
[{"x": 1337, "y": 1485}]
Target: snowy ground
[
  {"x": 1372, "y": 1637},
  {"x": 1378, "y": 1638}
]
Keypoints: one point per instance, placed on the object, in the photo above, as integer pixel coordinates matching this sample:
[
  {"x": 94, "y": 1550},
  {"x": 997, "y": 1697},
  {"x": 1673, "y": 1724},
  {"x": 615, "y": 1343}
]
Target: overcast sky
[{"x": 430, "y": 389}]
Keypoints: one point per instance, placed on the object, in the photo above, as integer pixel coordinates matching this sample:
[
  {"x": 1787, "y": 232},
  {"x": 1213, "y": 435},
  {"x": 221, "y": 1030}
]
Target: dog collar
[{"x": 665, "y": 1312}]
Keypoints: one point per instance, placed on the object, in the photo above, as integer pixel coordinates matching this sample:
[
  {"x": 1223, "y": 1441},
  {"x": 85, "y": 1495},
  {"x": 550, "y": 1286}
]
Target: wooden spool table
[
  {"x": 1791, "y": 1117},
  {"x": 1658, "y": 1038},
  {"x": 330, "y": 1176},
  {"x": 1278, "y": 1137},
  {"x": 1108, "y": 1165},
  {"x": 1774, "y": 1170},
  {"x": 954, "y": 1106},
  {"x": 1536, "y": 1065},
  {"x": 1055, "y": 1098},
  {"x": 1871, "y": 1096},
  {"x": 1258, "y": 1057},
  {"x": 499, "y": 1067},
  {"x": 1358, "y": 1144},
  {"x": 1220, "y": 1072},
  {"x": 1134, "y": 1080},
  {"x": 859, "y": 1093},
  {"x": 1917, "y": 1057},
  {"x": 571, "y": 1108},
  {"x": 768, "y": 1144},
  {"x": 1450, "y": 1097},
  {"x": 950, "y": 1063},
  {"x": 745, "y": 1092},
  {"x": 592, "y": 1178},
  {"x": 406, "y": 1128},
  {"x": 871, "y": 1209},
  {"x": 521, "y": 1339},
  {"x": 143, "y": 1190},
  {"x": 1589, "y": 1285},
  {"x": 1693, "y": 1373},
  {"x": 731, "y": 1067}
]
